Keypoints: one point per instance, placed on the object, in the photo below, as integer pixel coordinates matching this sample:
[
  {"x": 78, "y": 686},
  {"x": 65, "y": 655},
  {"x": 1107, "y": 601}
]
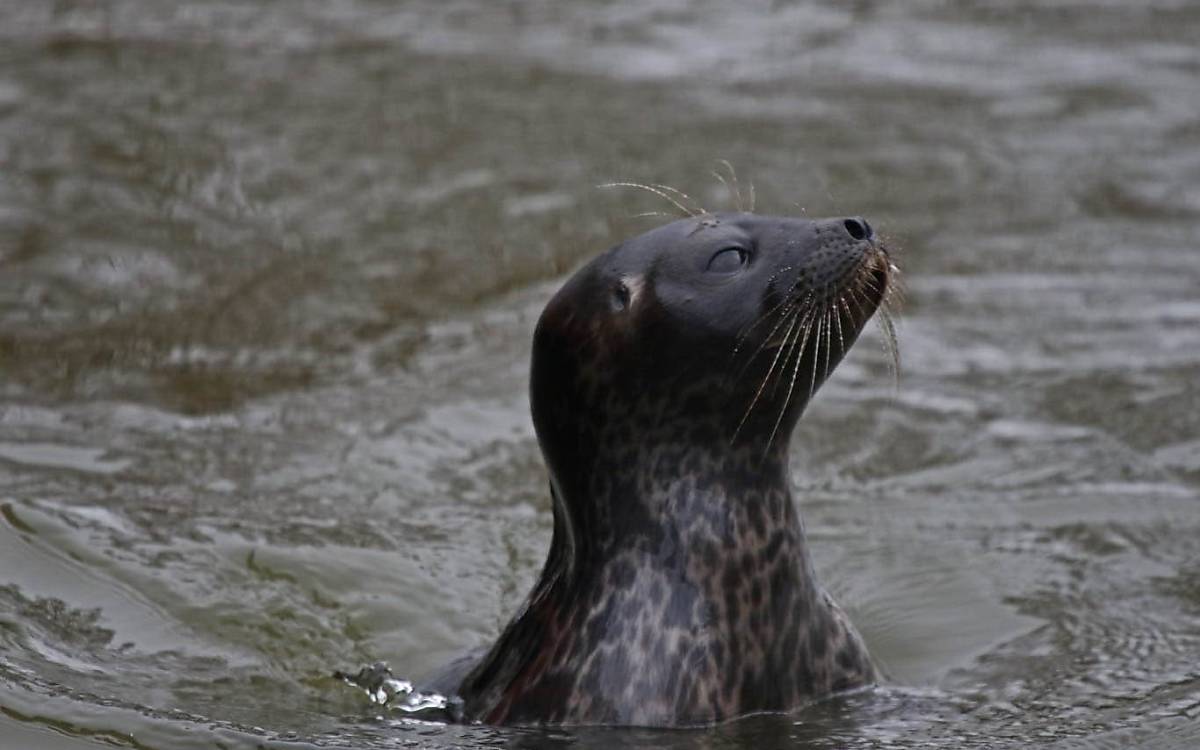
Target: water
[{"x": 268, "y": 274}]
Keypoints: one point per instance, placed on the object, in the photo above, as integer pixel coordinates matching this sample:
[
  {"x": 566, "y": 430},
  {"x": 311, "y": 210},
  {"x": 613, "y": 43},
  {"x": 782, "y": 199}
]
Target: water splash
[{"x": 385, "y": 689}]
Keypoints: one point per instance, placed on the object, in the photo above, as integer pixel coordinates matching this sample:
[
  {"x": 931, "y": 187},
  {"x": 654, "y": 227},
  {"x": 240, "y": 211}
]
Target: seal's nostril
[{"x": 858, "y": 229}]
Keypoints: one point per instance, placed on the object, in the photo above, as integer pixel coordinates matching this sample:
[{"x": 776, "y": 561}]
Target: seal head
[{"x": 667, "y": 376}]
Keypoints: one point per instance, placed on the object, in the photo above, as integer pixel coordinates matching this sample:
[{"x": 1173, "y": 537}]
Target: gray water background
[{"x": 268, "y": 275}]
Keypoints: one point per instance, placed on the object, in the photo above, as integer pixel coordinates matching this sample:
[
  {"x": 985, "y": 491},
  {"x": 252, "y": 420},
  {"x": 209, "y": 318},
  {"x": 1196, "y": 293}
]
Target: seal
[{"x": 667, "y": 376}]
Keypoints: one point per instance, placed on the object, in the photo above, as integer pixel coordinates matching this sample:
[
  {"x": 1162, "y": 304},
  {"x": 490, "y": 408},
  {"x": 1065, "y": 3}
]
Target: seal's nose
[{"x": 858, "y": 228}]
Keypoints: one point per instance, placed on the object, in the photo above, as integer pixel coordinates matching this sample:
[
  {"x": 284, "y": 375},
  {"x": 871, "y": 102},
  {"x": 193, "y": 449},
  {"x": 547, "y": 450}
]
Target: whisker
[
  {"x": 770, "y": 370},
  {"x": 724, "y": 183},
  {"x": 837, "y": 319},
  {"x": 787, "y": 400},
  {"x": 891, "y": 343},
  {"x": 651, "y": 189},
  {"x": 894, "y": 297},
  {"x": 644, "y": 214},
  {"x": 785, "y": 299},
  {"x": 797, "y": 309},
  {"x": 735, "y": 190},
  {"x": 858, "y": 297},
  {"x": 803, "y": 306},
  {"x": 828, "y": 345},
  {"x": 867, "y": 282},
  {"x": 682, "y": 195},
  {"x": 812, "y": 383}
]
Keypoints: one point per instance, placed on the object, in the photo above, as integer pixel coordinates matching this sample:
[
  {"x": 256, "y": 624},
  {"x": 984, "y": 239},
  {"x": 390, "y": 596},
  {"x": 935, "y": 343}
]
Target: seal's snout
[
  {"x": 843, "y": 249},
  {"x": 858, "y": 228}
]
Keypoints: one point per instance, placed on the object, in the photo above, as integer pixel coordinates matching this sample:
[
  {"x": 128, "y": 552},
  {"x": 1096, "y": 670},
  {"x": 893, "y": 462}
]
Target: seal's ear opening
[
  {"x": 625, "y": 292},
  {"x": 620, "y": 297}
]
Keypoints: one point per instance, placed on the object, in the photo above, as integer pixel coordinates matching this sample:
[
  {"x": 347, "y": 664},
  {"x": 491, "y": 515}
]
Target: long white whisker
[
  {"x": 682, "y": 195},
  {"x": 785, "y": 299},
  {"x": 644, "y": 214},
  {"x": 787, "y": 400},
  {"x": 736, "y": 190},
  {"x": 766, "y": 378},
  {"x": 651, "y": 189},
  {"x": 837, "y": 319},
  {"x": 888, "y": 329},
  {"x": 725, "y": 184},
  {"x": 794, "y": 304},
  {"x": 828, "y": 345},
  {"x": 812, "y": 383},
  {"x": 791, "y": 313}
]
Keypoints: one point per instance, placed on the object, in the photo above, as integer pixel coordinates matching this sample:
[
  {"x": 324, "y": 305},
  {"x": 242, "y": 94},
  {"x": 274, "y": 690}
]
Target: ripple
[{"x": 74, "y": 458}]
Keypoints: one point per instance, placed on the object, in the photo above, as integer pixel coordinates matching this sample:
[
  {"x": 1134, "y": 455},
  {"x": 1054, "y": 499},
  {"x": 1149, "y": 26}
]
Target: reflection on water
[{"x": 268, "y": 274}]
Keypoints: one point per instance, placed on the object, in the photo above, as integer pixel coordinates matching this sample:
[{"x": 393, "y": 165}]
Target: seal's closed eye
[{"x": 727, "y": 260}]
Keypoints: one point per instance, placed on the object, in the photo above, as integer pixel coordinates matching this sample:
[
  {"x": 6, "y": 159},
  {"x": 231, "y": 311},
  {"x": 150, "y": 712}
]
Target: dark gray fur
[{"x": 679, "y": 589}]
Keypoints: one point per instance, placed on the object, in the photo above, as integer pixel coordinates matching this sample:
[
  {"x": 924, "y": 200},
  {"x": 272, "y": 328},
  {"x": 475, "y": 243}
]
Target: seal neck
[{"x": 669, "y": 502}]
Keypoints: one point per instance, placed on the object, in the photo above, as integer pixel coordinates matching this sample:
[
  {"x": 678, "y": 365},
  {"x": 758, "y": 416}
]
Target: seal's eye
[{"x": 728, "y": 260}]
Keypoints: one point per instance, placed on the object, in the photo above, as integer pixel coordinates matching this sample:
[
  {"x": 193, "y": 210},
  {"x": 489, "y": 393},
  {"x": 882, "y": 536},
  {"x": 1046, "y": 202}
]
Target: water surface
[{"x": 269, "y": 271}]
